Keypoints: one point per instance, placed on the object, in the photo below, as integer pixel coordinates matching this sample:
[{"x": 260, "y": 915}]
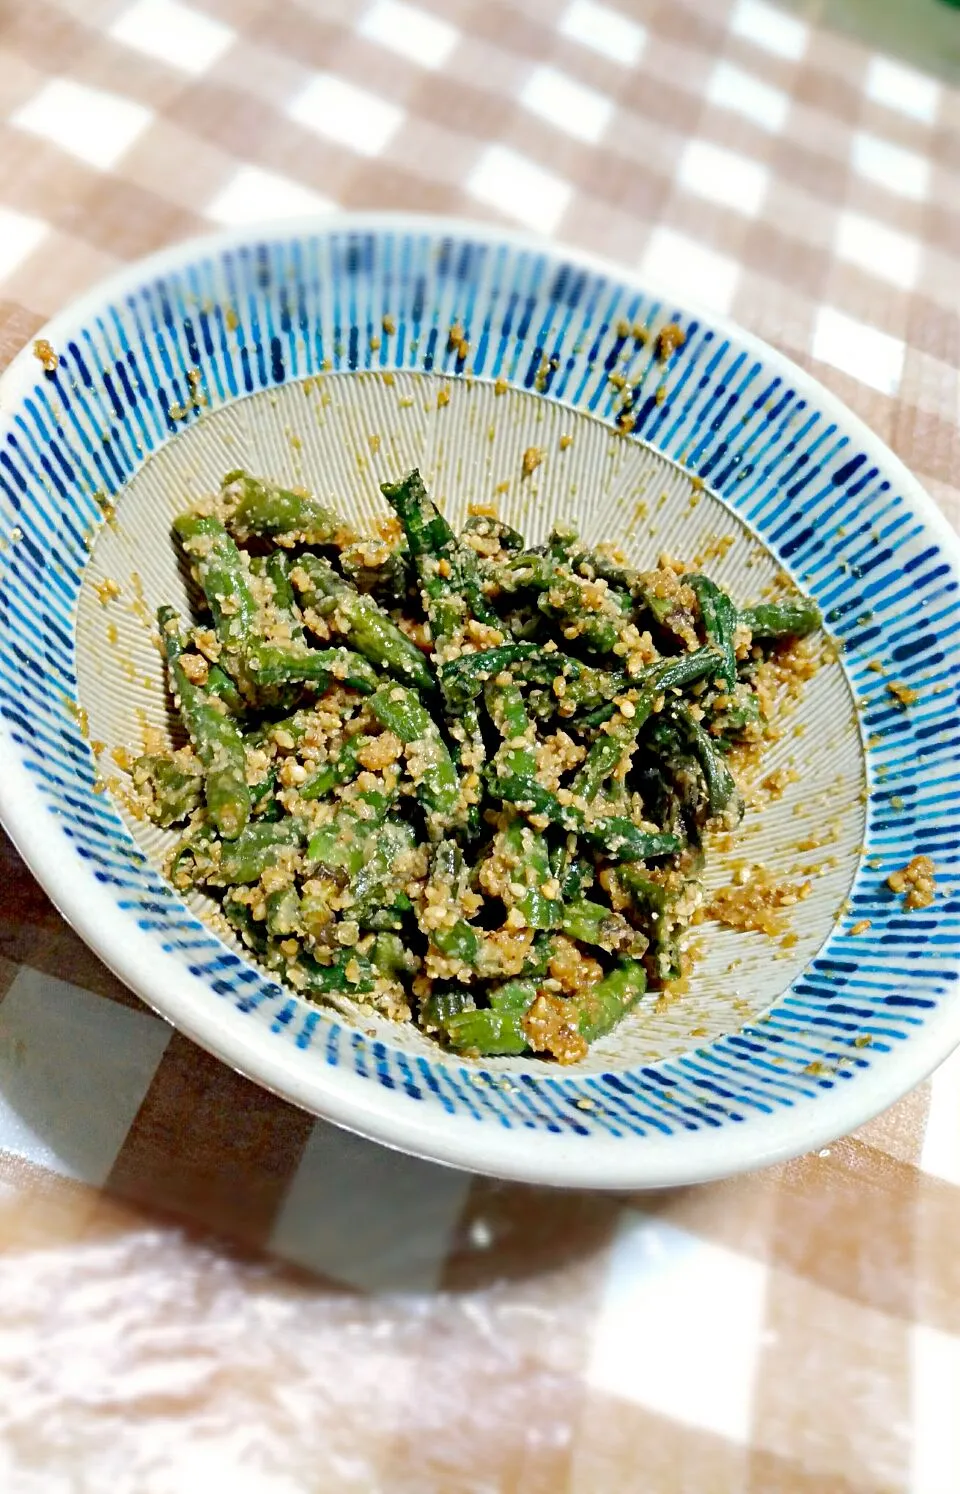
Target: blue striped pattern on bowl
[{"x": 822, "y": 493}]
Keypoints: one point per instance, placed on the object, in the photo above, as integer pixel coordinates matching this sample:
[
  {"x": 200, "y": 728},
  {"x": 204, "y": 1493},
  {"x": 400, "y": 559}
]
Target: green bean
[
  {"x": 513, "y": 996},
  {"x": 732, "y": 720},
  {"x": 284, "y": 664},
  {"x": 437, "y": 783},
  {"x": 605, "y": 754},
  {"x": 508, "y": 712},
  {"x": 568, "y": 599},
  {"x": 464, "y": 678},
  {"x": 574, "y": 875},
  {"x": 389, "y": 918},
  {"x": 562, "y": 542},
  {"x": 488, "y": 527},
  {"x": 668, "y": 612},
  {"x": 222, "y": 576},
  {"x": 388, "y": 579},
  {"x": 335, "y": 978},
  {"x": 283, "y": 911},
  {"x": 253, "y": 935},
  {"x": 672, "y": 674},
  {"x": 262, "y": 509},
  {"x": 466, "y": 735},
  {"x": 294, "y": 729},
  {"x": 436, "y": 1009},
  {"x": 594, "y": 923},
  {"x": 583, "y": 685},
  {"x": 359, "y": 618},
  {"x": 719, "y": 617},
  {"x": 243, "y": 860},
  {"x": 214, "y": 735},
  {"x": 598, "y": 566},
  {"x": 262, "y": 795},
  {"x": 392, "y": 958},
  {"x": 617, "y": 837},
  {"x": 489, "y": 1032},
  {"x": 258, "y": 846},
  {"x": 378, "y": 884},
  {"x": 275, "y": 568},
  {"x": 602, "y": 1006},
  {"x": 497, "y": 1029},
  {"x": 349, "y": 841},
  {"x": 525, "y": 851},
  {"x": 220, "y": 684},
  {"x": 794, "y": 617},
  {"x": 174, "y": 792},
  {"x": 659, "y": 903},
  {"x": 455, "y": 938},
  {"x": 721, "y": 786},
  {"x": 448, "y": 572},
  {"x": 459, "y": 942},
  {"x": 338, "y": 770},
  {"x": 598, "y": 716}
]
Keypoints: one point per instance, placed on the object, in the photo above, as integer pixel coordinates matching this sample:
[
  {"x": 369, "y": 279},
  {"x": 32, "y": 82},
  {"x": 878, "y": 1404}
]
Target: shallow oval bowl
[{"x": 340, "y": 354}]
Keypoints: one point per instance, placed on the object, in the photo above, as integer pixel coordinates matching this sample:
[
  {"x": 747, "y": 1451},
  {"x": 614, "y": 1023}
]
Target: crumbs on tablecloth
[{"x": 916, "y": 882}]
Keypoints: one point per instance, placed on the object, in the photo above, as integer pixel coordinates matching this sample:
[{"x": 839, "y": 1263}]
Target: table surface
[{"x": 199, "y": 1284}]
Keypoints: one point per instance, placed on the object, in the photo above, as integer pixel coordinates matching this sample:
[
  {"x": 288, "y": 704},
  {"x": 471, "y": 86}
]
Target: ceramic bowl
[{"x": 320, "y": 353}]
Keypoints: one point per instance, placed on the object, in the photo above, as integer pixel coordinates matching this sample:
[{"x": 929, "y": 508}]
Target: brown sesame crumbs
[
  {"x": 45, "y": 355},
  {"x": 531, "y": 460}
]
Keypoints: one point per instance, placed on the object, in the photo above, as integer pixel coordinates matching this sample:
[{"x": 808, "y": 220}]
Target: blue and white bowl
[{"x": 321, "y": 353}]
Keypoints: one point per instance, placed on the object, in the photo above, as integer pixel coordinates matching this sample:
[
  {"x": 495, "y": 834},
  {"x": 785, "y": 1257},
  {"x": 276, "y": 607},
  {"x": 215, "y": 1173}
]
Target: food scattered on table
[{"x": 459, "y": 779}]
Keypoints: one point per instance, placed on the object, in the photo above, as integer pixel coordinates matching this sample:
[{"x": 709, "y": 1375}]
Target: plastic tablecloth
[{"x": 202, "y": 1287}]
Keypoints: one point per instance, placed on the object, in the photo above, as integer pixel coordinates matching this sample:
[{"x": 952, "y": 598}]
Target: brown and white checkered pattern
[{"x": 198, "y": 1284}]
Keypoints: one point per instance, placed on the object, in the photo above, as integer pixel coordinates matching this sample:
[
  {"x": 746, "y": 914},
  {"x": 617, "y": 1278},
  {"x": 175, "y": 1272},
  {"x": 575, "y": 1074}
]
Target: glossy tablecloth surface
[{"x": 198, "y": 1284}]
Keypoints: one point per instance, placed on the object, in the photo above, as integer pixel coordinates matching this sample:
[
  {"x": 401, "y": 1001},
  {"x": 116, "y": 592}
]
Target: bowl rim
[{"x": 335, "y": 1093}]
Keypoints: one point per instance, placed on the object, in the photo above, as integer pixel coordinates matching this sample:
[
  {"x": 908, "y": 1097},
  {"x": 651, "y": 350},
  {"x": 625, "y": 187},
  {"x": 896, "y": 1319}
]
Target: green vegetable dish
[{"x": 459, "y": 779}]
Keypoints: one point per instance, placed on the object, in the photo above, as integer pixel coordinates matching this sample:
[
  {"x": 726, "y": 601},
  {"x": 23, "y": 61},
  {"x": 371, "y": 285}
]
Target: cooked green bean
[
  {"x": 719, "y": 618},
  {"x": 448, "y": 571},
  {"x": 338, "y": 770},
  {"x": 402, "y": 712},
  {"x": 595, "y": 923},
  {"x": 359, "y": 618},
  {"x": 617, "y": 837},
  {"x": 259, "y": 508},
  {"x": 214, "y": 734},
  {"x": 602, "y": 1006},
  {"x": 480, "y": 801},
  {"x": 292, "y": 663},
  {"x": 220, "y": 570},
  {"x": 170, "y": 792},
  {"x": 794, "y": 618}
]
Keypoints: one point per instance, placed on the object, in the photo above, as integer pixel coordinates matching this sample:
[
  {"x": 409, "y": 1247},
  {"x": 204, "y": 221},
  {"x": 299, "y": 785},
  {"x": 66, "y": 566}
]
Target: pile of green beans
[{"x": 462, "y": 780}]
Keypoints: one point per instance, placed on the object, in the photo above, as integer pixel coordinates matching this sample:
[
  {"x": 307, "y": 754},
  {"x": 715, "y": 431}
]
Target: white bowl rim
[{"x": 335, "y": 1093}]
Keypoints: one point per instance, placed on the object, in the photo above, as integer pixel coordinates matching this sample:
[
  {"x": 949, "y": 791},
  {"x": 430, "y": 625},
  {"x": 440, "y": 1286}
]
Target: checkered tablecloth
[{"x": 199, "y": 1286}]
